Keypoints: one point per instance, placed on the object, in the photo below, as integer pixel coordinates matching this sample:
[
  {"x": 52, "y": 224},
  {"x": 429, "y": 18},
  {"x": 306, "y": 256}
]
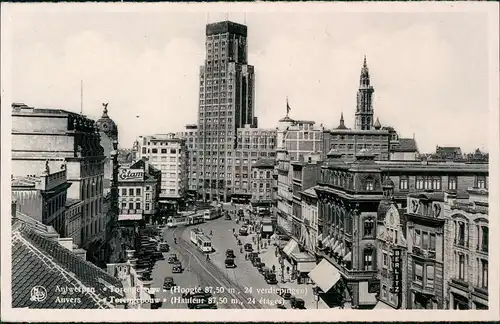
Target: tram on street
[
  {"x": 211, "y": 214},
  {"x": 176, "y": 221},
  {"x": 203, "y": 242},
  {"x": 195, "y": 219}
]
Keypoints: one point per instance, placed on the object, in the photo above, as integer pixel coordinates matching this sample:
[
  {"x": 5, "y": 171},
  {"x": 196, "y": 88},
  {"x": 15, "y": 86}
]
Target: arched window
[{"x": 369, "y": 227}]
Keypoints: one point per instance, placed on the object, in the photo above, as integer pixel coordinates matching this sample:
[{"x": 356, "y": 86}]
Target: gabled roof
[
  {"x": 405, "y": 145},
  {"x": 38, "y": 261}
]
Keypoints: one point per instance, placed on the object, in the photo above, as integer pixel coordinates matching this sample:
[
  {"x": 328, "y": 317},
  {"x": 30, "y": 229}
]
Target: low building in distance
[
  {"x": 138, "y": 190},
  {"x": 169, "y": 154},
  {"x": 190, "y": 134},
  {"x": 251, "y": 145},
  {"x": 262, "y": 183}
]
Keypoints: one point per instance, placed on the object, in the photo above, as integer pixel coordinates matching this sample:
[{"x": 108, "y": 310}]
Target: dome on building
[
  {"x": 377, "y": 125},
  {"x": 106, "y": 124},
  {"x": 388, "y": 183}
]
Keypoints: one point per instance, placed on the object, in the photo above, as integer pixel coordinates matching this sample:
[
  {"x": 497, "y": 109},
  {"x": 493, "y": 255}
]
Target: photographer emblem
[{"x": 38, "y": 293}]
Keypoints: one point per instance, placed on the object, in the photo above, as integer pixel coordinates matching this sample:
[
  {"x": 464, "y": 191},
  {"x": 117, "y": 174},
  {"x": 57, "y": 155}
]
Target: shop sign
[
  {"x": 127, "y": 174},
  {"x": 396, "y": 266}
]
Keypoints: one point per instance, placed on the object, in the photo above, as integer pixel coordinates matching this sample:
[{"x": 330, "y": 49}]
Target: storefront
[
  {"x": 329, "y": 280},
  {"x": 267, "y": 229},
  {"x": 303, "y": 264}
]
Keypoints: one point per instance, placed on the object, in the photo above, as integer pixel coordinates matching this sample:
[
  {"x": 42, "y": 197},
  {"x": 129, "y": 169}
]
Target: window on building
[
  {"x": 461, "y": 266},
  {"x": 384, "y": 292},
  {"x": 130, "y": 205},
  {"x": 461, "y": 233},
  {"x": 131, "y": 191},
  {"x": 148, "y": 206},
  {"x": 403, "y": 183},
  {"x": 173, "y": 151},
  {"x": 452, "y": 183},
  {"x": 484, "y": 238},
  {"x": 385, "y": 260},
  {"x": 429, "y": 280},
  {"x": 419, "y": 276},
  {"x": 138, "y": 191},
  {"x": 481, "y": 182},
  {"x": 484, "y": 273},
  {"x": 369, "y": 184},
  {"x": 418, "y": 240},
  {"x": 368, "y": 259},
  {"x": 124, "y": 192},
  {"x": 154, "y": 151},
  {"x": 137, "y": 205},
  {"x": 369, "y": 226},
  {"x": 419, "y": 183},
  {"x": 148, "y": 196}
]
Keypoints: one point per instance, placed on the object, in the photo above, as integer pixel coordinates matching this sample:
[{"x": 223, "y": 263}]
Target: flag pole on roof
[{"x": 287, "y": 107}]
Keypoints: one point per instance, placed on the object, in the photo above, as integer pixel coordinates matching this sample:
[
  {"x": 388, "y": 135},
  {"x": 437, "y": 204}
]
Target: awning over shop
[
  {"x": 334, "y": 246},
  {"x": 125, "y": 217},
  {"x": 325, "y": 275},
  {"x": 366, "y": 298},
  {"x": 326, "y": 241},
  {"x": 338, "y": 248},
  {"x": 291, "y": 247},
  {"x": 382, "y": 305},
  {"x": 320, "y": 237},
  {"x": 348, "y": 256},
  {"x": 333, "y": 241},
  {"x": 267, "y": 228},
  {"x": 305, "y": 261}
]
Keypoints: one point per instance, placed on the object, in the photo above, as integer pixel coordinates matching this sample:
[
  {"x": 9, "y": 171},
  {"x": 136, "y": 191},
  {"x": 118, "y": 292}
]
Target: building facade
[
  {"x": 53, "y": 134},
  {"x": 226, "y": 103},
  {"x": 169, "y": 154},
  {"x": 73, "y": 217},
  {"x": 138, "y": 193},
  {"x": 262, "y": 183},
  {"x": 251, "y": 145},
  {"x": 309, "y": 230},
  {"x": 426, "y": 250},
  {"x": 43, "y": 197},
  {"x": 299, "y": 137},
  {"x": 190, "y": 134},
  {"x": 349, "y": 195},
  {"x": 466, "y": 250}
]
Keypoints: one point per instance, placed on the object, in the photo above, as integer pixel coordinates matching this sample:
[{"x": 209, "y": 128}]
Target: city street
[{"x": 198, "y": 272}]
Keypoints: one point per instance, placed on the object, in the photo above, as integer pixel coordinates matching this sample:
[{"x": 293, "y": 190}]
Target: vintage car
[
  {"x": 177, "y": 267},
  {"x": 256, "y": 261},
  {"x": 172, "y": 258},
  {"x": 271, "y": 278},
  {"x": 230, "y": 254},
  {"x": 168, "y": 282},
  {"x": 230, "y": 263},
  {"x": 243, "y": 231},
  {"x": 164, "y": 247},
  {"x": 297, "y": 303},
  {"x": 248, "y": 247}
]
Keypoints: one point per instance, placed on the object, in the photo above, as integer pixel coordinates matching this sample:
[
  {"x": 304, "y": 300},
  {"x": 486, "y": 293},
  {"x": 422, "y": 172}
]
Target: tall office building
[{"x": 226, "y": 104}]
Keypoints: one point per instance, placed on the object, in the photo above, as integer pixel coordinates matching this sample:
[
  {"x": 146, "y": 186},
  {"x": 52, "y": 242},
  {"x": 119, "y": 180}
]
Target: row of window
[
  {"x": 462, "y": 237},
  {"x": 134, "y": 191},
  {"x": 462, "y": 267},
  {"x": 137, "y": 205}
]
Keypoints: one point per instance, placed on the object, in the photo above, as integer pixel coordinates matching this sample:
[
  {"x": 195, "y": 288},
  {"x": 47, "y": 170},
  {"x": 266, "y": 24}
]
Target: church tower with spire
[{"x": 364, "y": 106}]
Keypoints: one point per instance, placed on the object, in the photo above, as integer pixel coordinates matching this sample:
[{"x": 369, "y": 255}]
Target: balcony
[
  {"x": 426, "y": 254},
  {"x": 425, "y": 290},
  {"x": 460, "y": 283},
  {"x": 131, "y": 211}
]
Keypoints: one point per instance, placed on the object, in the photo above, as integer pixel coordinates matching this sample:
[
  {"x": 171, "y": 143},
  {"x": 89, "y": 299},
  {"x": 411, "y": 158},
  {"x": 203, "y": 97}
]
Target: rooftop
[
  {"x": 38, "y": 261},
  {"x": 405, "y": 145}
]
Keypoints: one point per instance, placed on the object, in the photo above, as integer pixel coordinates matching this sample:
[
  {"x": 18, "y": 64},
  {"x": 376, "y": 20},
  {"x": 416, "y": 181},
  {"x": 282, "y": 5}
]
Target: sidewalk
[{"x": 303, "y": 291}]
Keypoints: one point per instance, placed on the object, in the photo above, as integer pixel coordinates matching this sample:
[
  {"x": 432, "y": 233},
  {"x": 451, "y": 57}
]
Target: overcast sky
[{"x": 429, "y": 70}]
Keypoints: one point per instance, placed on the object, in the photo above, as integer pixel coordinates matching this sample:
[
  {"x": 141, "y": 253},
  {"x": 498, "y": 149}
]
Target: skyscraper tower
[
  {"x": 226, "y": 103},
  {"x": 364, "y": 107}
]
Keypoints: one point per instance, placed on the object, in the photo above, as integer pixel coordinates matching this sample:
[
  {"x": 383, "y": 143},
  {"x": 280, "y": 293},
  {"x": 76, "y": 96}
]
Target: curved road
[{"x": 228, "y": 294}]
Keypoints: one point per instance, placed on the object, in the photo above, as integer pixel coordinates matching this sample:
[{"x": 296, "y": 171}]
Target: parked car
[
  {"x": 248, "y": 247},
  {"x": 164, "y": 247},
  {"x": 172, "y": 258},
  {"x": 230, "y": 254},
  {"x": 271, "y": 279},
  {"x": 177, "y": 267},
  {"x": 253, "y": 255},
  {"x": 168, "y": 282},
  {"x": 199, "y": 299},
  {"x": 230, "y": 263},
  {"x": 256, "y": 261},
  {"x": 243, "y": 231},
  {"x": 297, "y": 303},
  {"x": 261, "y": 267},
  {"x": 287, "y": 295}
]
